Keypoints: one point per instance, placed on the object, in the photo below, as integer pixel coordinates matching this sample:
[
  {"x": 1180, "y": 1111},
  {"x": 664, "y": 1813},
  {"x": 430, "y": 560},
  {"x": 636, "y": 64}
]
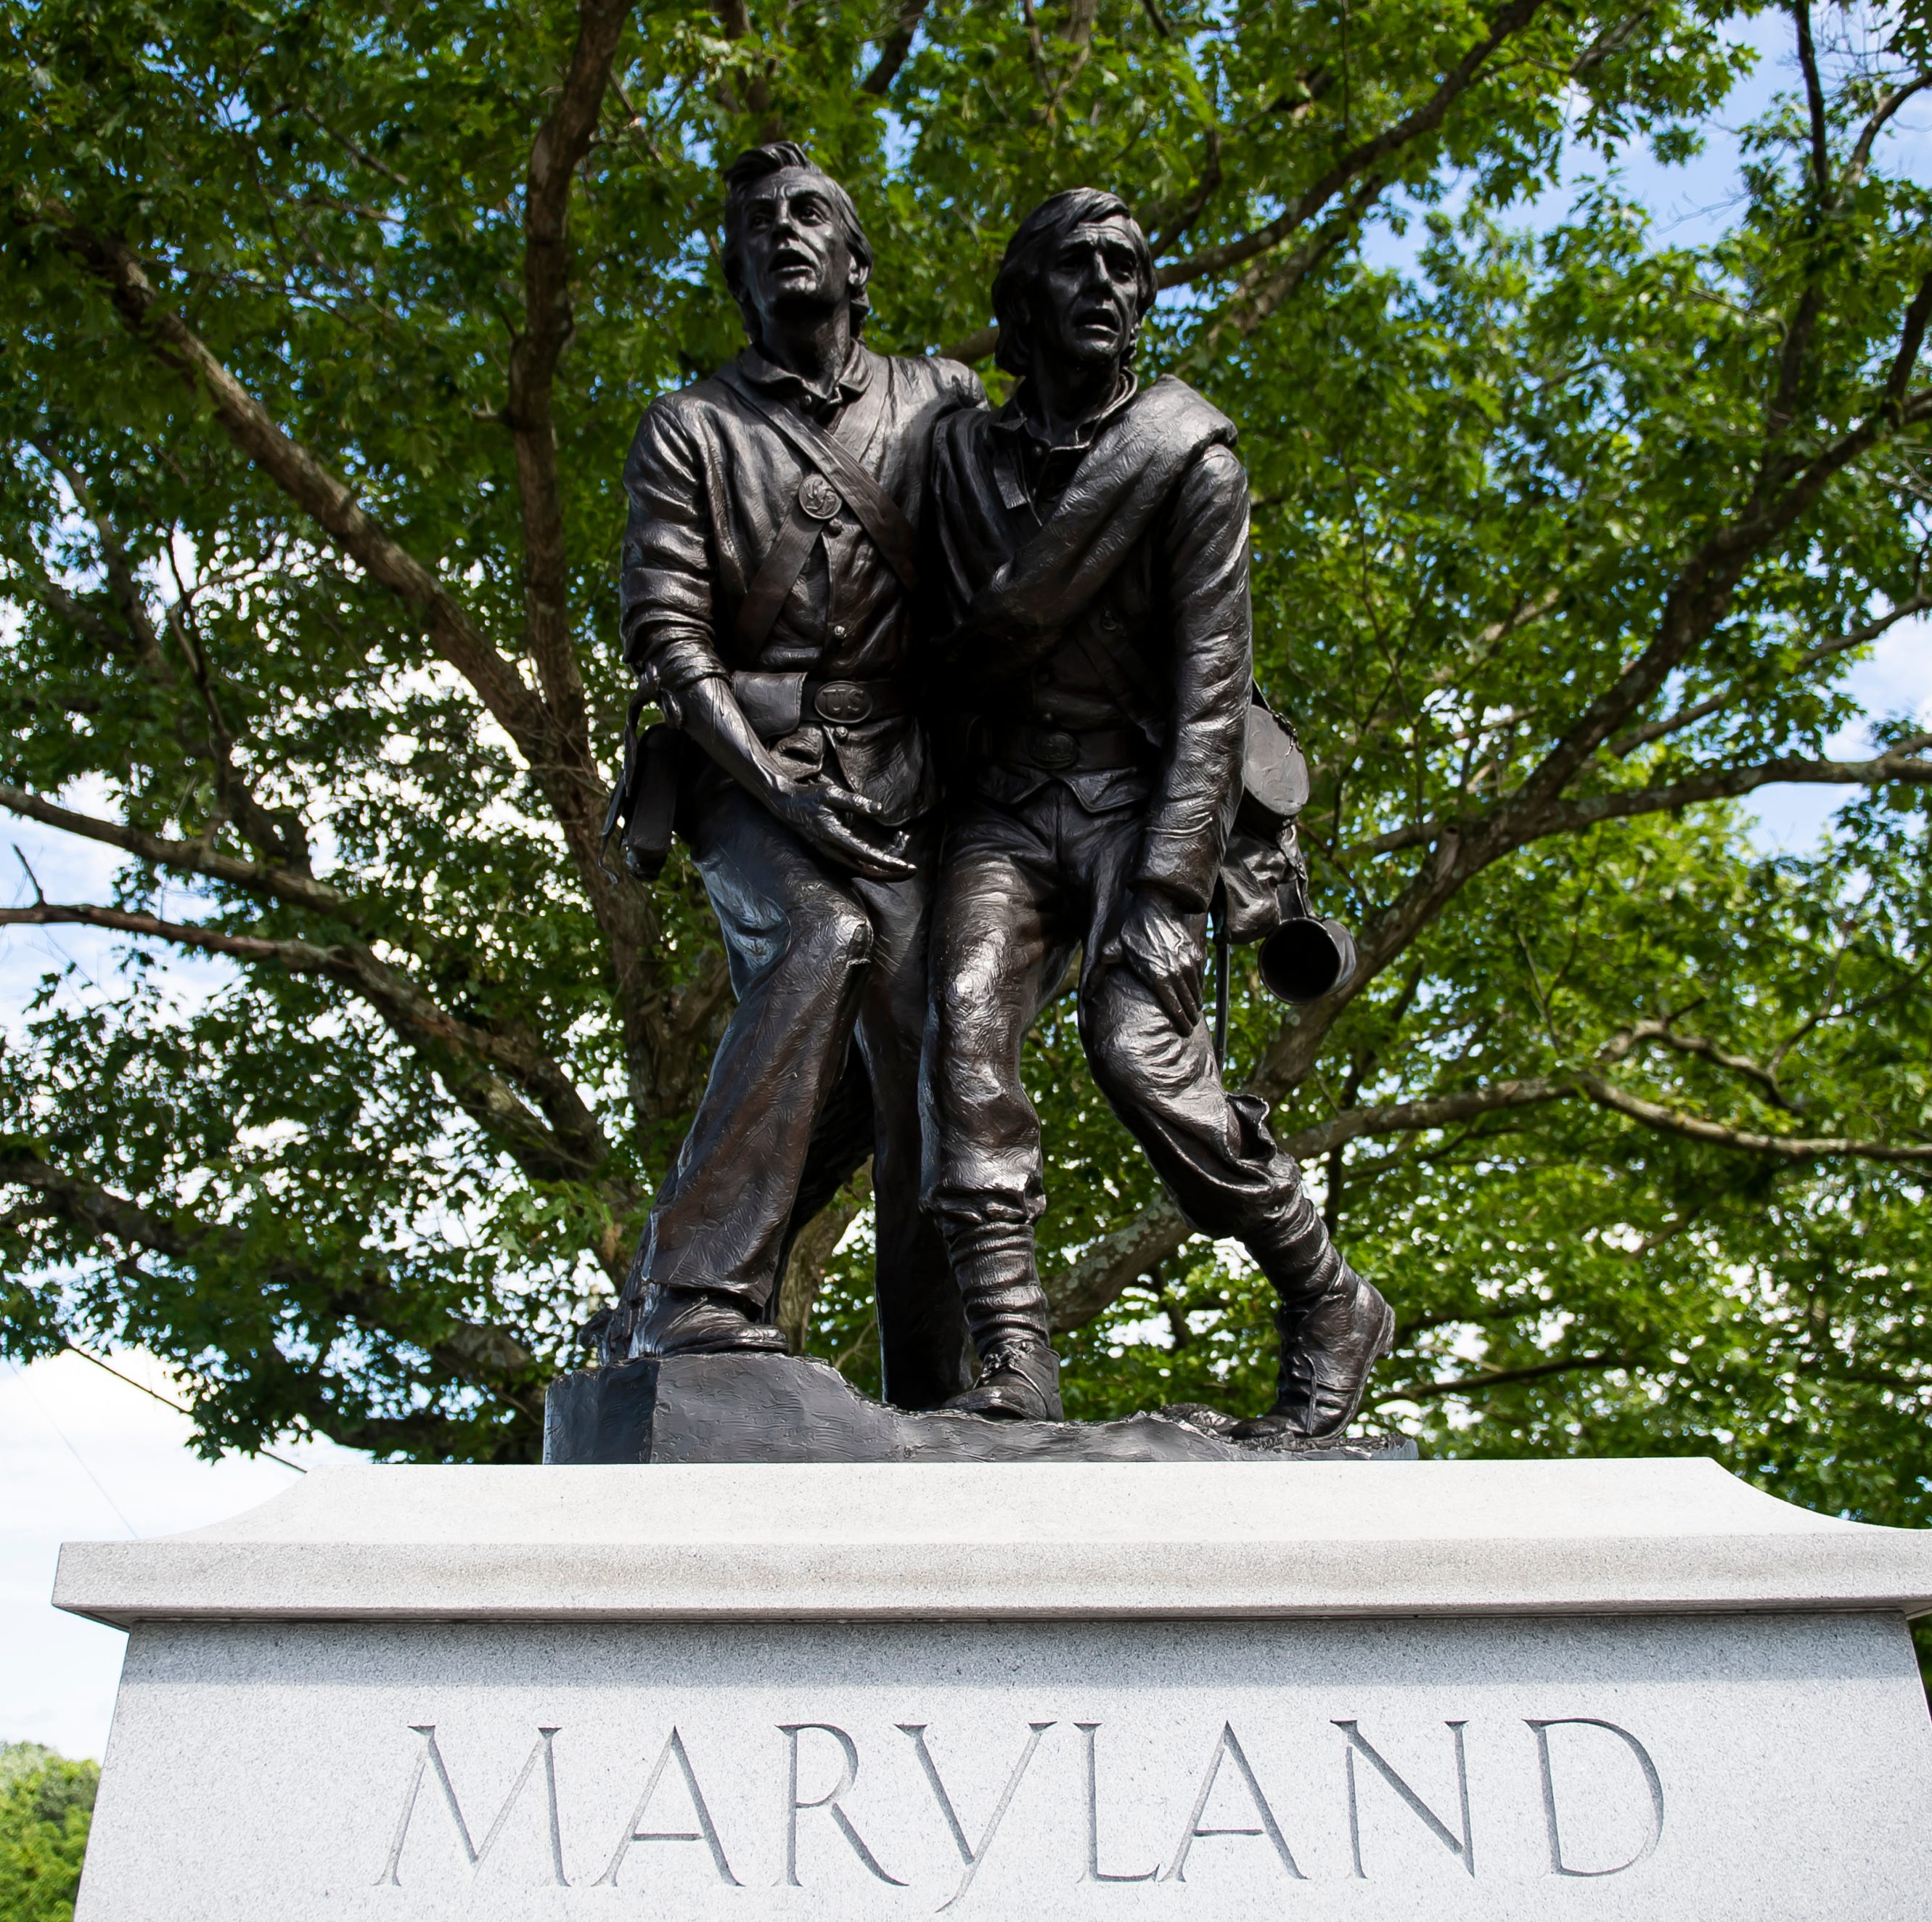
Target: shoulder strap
[
  {"x": 1133, "y": 465},
  {"x": 877, "y": 512},
  {"x": 765, "y": 598}
]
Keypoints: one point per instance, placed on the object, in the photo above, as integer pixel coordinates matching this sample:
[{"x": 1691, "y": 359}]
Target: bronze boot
[
  {"x": 1329, "y": 1343},
  {"x": 690, "y": 1321},
  {"x": 1019, "y": 1379},
  {"x": 1019, "y": 1382}
]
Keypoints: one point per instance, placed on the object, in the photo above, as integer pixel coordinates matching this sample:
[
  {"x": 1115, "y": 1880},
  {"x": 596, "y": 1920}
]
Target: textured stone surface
[
  {"x": 932, "y": 1540},
  {"x": 741, "y": 1408},
  {"x": 286, "y": 1771},
  {"x": 1512, "y": 1690}
]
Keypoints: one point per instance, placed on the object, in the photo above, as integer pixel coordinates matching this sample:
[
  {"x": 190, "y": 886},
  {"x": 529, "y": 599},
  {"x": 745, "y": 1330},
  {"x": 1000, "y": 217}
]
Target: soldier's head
[
  {"x": 792, "y": 242},
  {"x": 1075, "y": 284}
]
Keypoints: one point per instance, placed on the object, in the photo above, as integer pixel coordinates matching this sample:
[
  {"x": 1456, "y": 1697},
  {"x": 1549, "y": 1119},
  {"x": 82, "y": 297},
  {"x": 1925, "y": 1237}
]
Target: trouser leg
[
  {"x": 798, "y": 940},
  {"x": 922, "y": 1330},
  {"x": 841, "y": 1144},
  {"x": 1214, "y": 1153},
  {"x": 1212, "y": 1150},
  {"x": 997, "y": 952}
]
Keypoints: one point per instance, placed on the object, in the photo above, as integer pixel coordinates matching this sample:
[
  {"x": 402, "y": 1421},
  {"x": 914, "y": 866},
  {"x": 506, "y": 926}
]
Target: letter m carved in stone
[{"x": 430, "y": 1760}]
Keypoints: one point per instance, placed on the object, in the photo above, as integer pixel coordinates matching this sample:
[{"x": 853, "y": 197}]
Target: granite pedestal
[{"x": 1200, "y": 1690}]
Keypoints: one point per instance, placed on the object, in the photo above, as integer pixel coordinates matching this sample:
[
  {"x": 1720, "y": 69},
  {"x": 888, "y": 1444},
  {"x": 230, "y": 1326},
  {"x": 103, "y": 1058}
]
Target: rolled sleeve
[{"x": 1205, "y": 546}]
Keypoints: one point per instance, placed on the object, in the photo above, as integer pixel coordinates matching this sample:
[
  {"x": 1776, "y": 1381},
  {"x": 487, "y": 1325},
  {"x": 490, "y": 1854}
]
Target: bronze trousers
[{"x": 822, "y": 962}]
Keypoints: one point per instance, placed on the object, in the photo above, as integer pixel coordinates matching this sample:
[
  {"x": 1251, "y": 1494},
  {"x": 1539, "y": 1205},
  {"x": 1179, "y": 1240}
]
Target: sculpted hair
[
  {"x": 1038, "y": 238},
  {"x": 740, "y": 177}
]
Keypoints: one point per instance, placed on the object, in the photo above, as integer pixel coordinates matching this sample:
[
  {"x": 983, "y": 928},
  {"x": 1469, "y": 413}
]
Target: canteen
[{"x": 1307, "y": 956}]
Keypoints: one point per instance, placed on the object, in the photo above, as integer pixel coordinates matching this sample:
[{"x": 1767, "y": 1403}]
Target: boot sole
[{"x": 988, "y": 1409}]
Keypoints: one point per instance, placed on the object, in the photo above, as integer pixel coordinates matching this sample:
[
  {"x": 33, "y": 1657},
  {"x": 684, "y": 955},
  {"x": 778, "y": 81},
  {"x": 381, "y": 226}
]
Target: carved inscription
[
  {"x": 1462, "y": 1847},
  {"x": 1558, "y": 1866},
  {"x": 1577, "y": 1767},
  {"x": 706, "y": 1831},
  {"x": 971, "y": 1857},
  {"x": 829, "y": 1801},
  {"x": 1227, "y": 1747},
  {"x": 431, "y": 1758}
]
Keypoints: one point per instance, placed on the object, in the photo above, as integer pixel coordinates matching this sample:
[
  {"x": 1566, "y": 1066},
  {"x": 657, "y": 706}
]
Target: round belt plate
[
  {"x": 818, "y": 498},
  {"x": 843, "y": 701},
  {"x": 1056, "y": 750}
]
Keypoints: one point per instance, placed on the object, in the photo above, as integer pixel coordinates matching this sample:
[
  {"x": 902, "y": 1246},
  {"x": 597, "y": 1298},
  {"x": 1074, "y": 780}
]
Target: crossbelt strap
[
  {"x": 876, "y": 510},
  {"x": 758, "y": 612}
]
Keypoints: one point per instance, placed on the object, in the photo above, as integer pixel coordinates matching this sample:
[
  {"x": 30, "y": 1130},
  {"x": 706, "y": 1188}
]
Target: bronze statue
[
  {"x": 1090, "y": 546},
  {"x": 769, "y": 570}
]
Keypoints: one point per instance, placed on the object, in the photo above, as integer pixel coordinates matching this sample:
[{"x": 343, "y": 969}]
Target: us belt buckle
[
  {"x": 844, "y": 701},
  {"x": 818, "y": 498},
  {"x": 1055, "y": 750}
]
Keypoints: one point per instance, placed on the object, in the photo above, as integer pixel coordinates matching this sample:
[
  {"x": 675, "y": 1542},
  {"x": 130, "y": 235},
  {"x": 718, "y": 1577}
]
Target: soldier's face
[
  {"x": 793, "y": 246},
  {"x": 1086, "y": 305}
]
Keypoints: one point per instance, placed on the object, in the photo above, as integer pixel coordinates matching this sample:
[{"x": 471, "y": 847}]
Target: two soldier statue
[{"x": 956, "y": 694}]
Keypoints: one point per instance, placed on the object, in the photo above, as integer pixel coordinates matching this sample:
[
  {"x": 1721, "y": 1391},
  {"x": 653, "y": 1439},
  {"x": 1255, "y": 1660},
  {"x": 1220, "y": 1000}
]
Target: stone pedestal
[{"x": 1197, "y": 1689}]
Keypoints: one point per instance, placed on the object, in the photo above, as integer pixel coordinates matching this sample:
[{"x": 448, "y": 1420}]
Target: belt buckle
[
  {"x": 1055, "y": 750},
  {"x": 843, "y": 701},
  {"x": 818, "y": 498}
]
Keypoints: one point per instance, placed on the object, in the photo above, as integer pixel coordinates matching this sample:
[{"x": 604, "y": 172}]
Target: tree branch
[
  {"x": 1093, "y": 1283},
  {"x": 571, "y": 1147},
  {"x": 1861, "y": 152},
  {"x": 1508, "y": 20},
  {"x": 1626, "y": 744},
  {"x": 279, "y": 884},
  {"x": 1814, "y": 101},
  {"x": 558, "y": 151},
  {"x": 1784, "y": 1147},
  {"x": 893, "y": 49},
  {"x": 1716, "y": 784},
  {"x": 1262, "y": 293},
  {"x": 1662, "y": 1035},
  {"x": 570, "y": 781},
  {"x": 1724, "y": 783},
  {"x": 304, "y": 478},
  {"x": 489, "y": 1357},
  {"x": 1169, "y": 225},
  {"x": 1502, "y": 1378},
  {"x": 1702, "y": 594}
]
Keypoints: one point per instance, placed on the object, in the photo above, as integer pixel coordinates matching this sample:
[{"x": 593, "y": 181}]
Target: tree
[
  {"x": 46, "y": 1805},
  {"x": 326, "y": 329}
]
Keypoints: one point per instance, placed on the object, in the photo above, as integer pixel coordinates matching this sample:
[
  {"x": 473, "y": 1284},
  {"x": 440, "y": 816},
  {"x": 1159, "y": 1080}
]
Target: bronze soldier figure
[
  {"x": 768, "y": 574},
  {"x": 1091, "y": 545}
]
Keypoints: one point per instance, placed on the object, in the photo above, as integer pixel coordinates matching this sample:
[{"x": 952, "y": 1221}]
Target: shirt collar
[
  {"x": 854, "y": 379},
  {"x": 1014, "y": 418}
]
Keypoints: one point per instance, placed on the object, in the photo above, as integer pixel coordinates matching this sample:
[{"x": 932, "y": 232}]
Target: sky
[{"x": 84, "y": 1456}]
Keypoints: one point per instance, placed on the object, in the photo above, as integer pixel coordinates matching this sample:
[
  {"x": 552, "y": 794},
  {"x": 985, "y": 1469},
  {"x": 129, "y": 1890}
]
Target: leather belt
[
  {"x": 1062, "y": 751},
  {"x": 848, "y": 702}
]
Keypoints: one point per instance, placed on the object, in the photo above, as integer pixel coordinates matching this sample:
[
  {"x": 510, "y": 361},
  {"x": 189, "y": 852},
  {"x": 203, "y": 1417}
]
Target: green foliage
[
  {"x": 47, "y": 1803},
  {"x": 1564, "y": 543}
]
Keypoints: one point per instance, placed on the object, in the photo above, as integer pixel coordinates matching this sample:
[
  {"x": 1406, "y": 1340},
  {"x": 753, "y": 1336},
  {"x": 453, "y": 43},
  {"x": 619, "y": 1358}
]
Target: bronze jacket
[
  {"x": 711, "y": 483},
  {"x": 1105, "y": 587}
]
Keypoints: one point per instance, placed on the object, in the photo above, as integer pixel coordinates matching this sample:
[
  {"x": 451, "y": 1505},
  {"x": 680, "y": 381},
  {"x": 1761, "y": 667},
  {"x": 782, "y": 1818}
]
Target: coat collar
[
  {"x": 1013, "y": 417},
  {"x": 853, "y": 379}
]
